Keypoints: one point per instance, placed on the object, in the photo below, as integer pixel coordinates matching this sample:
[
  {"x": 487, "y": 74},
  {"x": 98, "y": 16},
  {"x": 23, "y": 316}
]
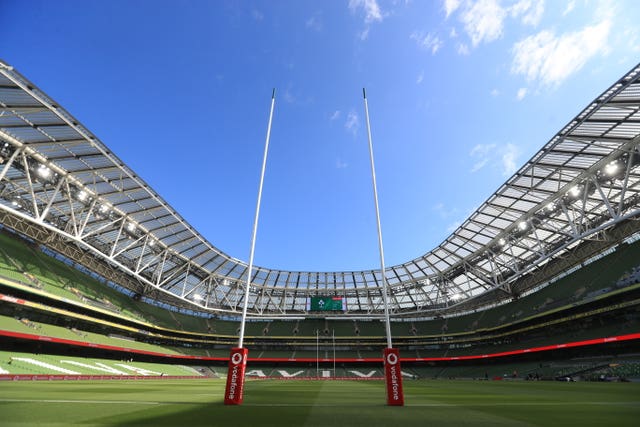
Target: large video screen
[{"x": 326, "y": 304}]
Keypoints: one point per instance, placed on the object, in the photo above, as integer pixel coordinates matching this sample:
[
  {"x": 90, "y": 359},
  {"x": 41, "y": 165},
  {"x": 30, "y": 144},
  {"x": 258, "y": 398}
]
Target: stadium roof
[{"x": 59, "y": 178}]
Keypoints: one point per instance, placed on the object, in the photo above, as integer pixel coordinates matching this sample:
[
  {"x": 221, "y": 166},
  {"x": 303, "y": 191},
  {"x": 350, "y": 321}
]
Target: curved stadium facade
[{"x": 574, "y": 200}]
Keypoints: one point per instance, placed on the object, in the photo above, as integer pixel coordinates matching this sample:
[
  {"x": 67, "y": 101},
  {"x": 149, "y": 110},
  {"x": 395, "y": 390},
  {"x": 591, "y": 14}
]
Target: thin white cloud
[
  {"x": 314, "y": 23},
  {"x": 504, "y": 157},
  {"x": 570, "y": 6},
  {"x": 453, "y": 33},
  {"x": 482, "y": 154},
  {"x": 372, "y": 14},
  {"x": 463, "y": 49},
  {"x": 632, "y": 36},
  {"x": 289, "y": 97},
  {"x": 371, "y": 9},
  {"x": 352, "y": 124},
  {"x": 450, "y": 6},
  {"x": 420, "y": 77},
  {"x": 445, "y": 212},
  {"x": 257, "y": 15},
  {"x": 550, "y": 59},
  {"x": 535, "y": 14},
  {"x": 510, "y": 155},
  {"x": 341, "y": 164},
  {"x": 484, "y": 21},
  {"x": 530, "y": 11},
  {"x": 335, "y": 115},
  {"x": 458, "y": 215},
  {"x": 522, "y": 92},
  {"x": 495, "y": 92},
  {"x": 427, "y": 41}
]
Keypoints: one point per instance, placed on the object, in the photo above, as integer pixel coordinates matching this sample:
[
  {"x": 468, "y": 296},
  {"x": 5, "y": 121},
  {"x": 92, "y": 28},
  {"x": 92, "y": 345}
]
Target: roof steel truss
[{"x": 61, "y": 184}]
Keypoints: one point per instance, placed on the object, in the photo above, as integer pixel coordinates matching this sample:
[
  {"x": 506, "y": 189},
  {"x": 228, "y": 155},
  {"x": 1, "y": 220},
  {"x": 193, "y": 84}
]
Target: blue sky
[{"x": 461, "y": 94}]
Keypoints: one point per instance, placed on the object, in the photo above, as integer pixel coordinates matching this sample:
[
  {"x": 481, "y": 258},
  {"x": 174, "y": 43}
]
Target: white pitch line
[
  {"x": 475, "y": 405},
  {"x": 311, "y": 405},
  {"x": 120, "y": 402},
  {"x": 444, "y": 405}
]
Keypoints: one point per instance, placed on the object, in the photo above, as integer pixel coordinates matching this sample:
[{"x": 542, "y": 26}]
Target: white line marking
[
  {"x": 120, "y": 402},
  {"x": 338, "y": 405}
]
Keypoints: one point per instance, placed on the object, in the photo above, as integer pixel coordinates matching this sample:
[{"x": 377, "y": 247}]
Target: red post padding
[
  {"x": 235, "y": 376},
  {"x": 393, "y": 377}
]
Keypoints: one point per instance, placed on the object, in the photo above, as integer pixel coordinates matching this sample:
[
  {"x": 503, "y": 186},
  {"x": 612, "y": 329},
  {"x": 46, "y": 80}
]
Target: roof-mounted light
[
  {"x": 82, "y": 196},
  {"x": 104, "y": 209},
  {"x": 456, "y": 296},
  {"x": 5, "y": 151},
  {"x": 611, "y": 168},
  {"x": 574, "y": 191},
  {"x": 44, "y": 171}
]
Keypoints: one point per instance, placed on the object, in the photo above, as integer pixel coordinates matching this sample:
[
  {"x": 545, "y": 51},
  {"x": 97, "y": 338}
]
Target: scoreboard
[{"x": 326, "y": 304}]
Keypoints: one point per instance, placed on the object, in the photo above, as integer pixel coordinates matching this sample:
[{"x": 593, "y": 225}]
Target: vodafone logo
[
  {"x": 392, "y": 359},
  {"x": 236, "y": 358}
]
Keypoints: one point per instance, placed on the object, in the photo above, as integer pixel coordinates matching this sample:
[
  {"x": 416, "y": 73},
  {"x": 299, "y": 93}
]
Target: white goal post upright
[
  {"x": 233, "y": 394},
  {"x": 391, "y": 356}
]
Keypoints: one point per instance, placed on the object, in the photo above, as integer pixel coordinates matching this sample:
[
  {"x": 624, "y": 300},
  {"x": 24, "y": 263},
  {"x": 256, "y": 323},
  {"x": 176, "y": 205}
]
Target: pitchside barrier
[
  {"x": 36, "y": 377},
  {"x": 130, "y": 351},
  {"x": 318, "y": 378}
]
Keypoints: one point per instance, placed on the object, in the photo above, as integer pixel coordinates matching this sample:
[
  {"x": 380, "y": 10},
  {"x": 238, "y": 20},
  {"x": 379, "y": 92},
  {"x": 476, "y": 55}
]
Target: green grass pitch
[{"x": 318, "y": 403}]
